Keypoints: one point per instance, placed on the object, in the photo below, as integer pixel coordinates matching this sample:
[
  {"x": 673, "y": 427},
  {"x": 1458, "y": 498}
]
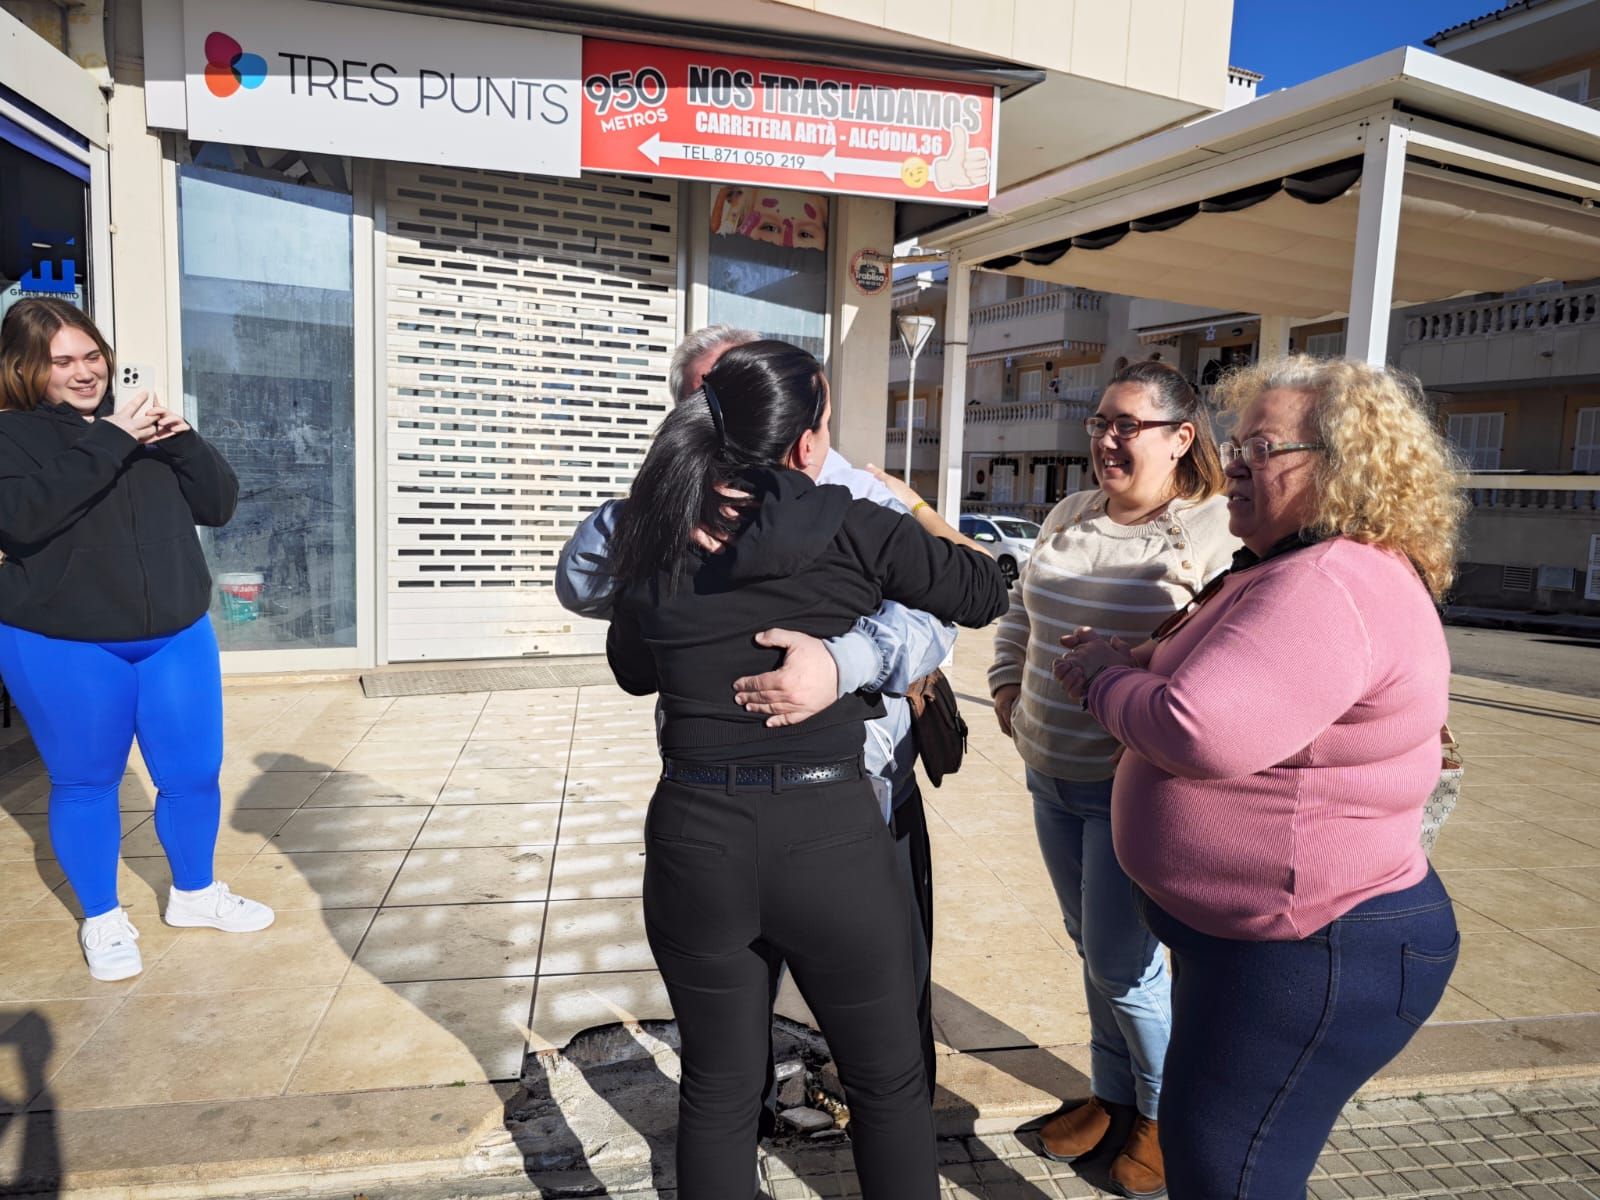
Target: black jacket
[
  {"x": 811, "y": 559},
  {"x": 98, "y": 531}
]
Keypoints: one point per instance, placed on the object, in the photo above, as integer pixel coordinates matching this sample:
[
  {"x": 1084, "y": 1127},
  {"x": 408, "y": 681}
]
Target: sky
[{"x": 1291, "y": 41}]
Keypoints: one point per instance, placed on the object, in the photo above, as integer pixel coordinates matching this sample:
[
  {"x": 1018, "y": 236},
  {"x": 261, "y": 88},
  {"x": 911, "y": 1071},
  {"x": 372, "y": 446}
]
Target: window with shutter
[
  {"x": 1477, "y": 437},
  {"x": 1029, "y": 385},
  {"x": 533, "y": 319},
  {"x": 1586, "y": 448}
]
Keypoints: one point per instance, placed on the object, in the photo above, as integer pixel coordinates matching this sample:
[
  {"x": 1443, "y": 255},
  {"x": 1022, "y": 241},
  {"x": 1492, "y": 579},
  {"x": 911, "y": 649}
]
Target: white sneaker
[
  {"x": 215, "y": 907},
  {"x": 110, "y": 944}
]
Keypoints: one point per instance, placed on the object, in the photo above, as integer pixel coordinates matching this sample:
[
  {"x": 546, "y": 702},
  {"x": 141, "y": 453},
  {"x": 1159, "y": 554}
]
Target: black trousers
[
  {"x": 737, "y": 881},
  {"x": 914, "y": 857}
]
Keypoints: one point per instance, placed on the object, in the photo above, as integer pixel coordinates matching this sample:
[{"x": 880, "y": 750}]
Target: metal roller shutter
[{"x": 530, "y": 322}]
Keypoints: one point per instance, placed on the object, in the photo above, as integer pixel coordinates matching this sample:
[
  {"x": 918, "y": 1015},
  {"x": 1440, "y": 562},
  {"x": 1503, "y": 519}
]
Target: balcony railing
[
  {"x": 1566, "y": 309},
  {"x": 925, "y": 437},
  {"x": 1044, "y": 302},
  {"x": 1009, "y": 508},
  {"x": 1030, "y": 410},
  {"x": 1545, "y": 493},
  {"x": 934, "y": 348}
]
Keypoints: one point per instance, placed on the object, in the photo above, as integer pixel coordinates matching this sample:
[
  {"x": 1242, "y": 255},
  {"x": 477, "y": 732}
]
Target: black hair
[{"x": 767, "y": 394}]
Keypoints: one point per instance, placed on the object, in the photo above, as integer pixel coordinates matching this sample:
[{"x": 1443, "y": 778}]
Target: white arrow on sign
[{"x": 829, "y": 164}]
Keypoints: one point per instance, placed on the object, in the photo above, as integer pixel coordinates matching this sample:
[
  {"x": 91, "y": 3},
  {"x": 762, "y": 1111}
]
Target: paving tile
[
  {"x": 365, "y": 828},
  {"x": 244, "y": 831},
  {"x": 1518, "y": 844},
  {"x": 402, "y": 756},
  {"x": 598, "y": 872},
  {"x": 627, "y": 785},
  {"x": 335, "y": 879},
  {"x": 1519, "y": 899},
  {"x": 589, "y": 822},
  {"x": 595, "y": 935},
  {"x": 25, "y": 884},
  {"x": 473, "y": 875},
  {"x": 378, "y": 1035},
  {"x": 453, "y": 941},
  {"x": 505, "y": 785},
  {"x": 1494, "y": 968},
  {"x": 306, "y": 947},
  {"x": 568, "y": 1004},
  {"x": 510, "y": 754},
  {"x": 268, "y": 789},
  {"x": 980, "y": 1007},
  {"x": 43, "y": 1035},
  {"x": 192, "y": 1048},
  {"x": 40, "y": 959},
  {"x": 377, "y": 788},
  {"x": 491, "y": 825}
]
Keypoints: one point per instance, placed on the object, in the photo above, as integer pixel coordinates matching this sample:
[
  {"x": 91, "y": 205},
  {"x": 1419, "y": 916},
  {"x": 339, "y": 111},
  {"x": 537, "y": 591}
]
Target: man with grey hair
[{"x": 884, "y": 653}]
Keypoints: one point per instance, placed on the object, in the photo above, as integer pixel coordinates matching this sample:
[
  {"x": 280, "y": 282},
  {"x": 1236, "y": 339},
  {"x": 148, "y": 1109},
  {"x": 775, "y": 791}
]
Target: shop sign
[
  {"x": 689, "y": 114},
  {"x": 869, "y": 271},
  {"x": 338, "y": 79}
]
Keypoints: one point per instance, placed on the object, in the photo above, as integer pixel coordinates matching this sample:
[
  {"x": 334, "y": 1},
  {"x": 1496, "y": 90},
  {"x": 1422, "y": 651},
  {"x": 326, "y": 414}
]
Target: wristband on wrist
[{"x": 920, "y": 504}]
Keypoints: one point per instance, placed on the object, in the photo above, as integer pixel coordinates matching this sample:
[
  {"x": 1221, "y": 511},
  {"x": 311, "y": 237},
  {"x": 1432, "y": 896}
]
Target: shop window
[
  {"x": 44, "y": 198},
  {"x": 1477, "y": 438},
  {"x": 1586, "y": 449},
  {"x": 767, "y": 266},
  {"x": 268, "y": 310}
]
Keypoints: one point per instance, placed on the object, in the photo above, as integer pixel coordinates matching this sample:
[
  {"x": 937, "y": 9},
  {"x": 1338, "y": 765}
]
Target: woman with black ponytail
[{"x": 766, "y": 844}]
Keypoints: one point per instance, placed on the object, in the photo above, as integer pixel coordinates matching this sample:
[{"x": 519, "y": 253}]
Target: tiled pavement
[{"x": 457, "y": 880}]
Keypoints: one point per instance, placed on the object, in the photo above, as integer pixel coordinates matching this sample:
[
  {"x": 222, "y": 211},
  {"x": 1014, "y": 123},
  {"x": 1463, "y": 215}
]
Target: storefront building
[{"x": 419, "y": 274}]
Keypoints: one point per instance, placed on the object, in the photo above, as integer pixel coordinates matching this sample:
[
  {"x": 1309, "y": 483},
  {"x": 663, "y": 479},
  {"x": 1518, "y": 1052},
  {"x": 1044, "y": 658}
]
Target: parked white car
[{"x": 1009, "y": 538}]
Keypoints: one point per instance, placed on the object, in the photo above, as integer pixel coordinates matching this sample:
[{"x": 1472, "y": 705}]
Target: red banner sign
[{"x": 652, "y": 110}]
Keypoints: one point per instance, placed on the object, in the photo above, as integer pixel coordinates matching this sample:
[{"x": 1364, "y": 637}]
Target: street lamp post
[{"x": 914, "y": 329}]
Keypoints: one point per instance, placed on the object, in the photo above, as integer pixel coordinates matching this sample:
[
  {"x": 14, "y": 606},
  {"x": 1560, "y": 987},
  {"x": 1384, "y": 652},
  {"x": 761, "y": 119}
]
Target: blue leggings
[{"x": 84, "y": 702}]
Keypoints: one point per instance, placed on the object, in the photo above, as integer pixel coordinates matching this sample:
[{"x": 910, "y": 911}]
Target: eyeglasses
[
  {"x": 1126, "y": 428},
  {"x": 1256, "y": 451}
]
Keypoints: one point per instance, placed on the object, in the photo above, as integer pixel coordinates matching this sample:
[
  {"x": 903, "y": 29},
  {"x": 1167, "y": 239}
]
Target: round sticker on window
[{"x": 869, "y": 271}]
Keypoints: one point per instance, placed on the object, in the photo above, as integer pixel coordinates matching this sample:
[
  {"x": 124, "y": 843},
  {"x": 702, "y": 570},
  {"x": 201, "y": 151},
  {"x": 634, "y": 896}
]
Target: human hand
[
  {"x": 965, "y": 166},
  {"x": 903, "y": 491},
  {"x": 806, "y": 683},
  {"x": 709, "y": 540},
  {"x": 1005, "y": 699},
  {"x": 168, "y": 423},
  {"x": 1143, "y": 653},
  {"x": 1087, "y": 655},
  {"x": 137, "y": 418}
]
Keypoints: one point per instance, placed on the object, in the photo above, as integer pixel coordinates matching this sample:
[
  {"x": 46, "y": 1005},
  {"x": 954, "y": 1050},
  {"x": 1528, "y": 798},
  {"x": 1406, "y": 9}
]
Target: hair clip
[{"x": 715, "y": 406}]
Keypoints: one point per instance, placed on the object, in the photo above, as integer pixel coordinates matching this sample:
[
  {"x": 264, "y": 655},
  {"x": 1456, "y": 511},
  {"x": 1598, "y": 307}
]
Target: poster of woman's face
[{"x": 794, "y": 220}]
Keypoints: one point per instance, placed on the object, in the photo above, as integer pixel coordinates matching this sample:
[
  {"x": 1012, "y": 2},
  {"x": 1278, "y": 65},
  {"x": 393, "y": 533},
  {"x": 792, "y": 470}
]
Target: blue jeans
[
  {"x": 84, "y": 702},
  {"x": 1124, "y": 971},
  {"x": 1271, "y": 1039}
]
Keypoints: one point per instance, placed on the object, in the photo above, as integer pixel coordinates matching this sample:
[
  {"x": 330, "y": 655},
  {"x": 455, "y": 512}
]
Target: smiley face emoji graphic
[{"x": 914, "y": 172}]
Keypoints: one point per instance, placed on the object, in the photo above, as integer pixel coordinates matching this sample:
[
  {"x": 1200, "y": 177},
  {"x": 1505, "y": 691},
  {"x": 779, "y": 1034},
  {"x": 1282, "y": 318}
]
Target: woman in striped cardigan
[{"x": 1119, "y": 558}]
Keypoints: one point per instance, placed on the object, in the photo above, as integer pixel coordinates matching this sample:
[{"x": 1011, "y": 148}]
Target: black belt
[{"x": 756, "y": 775}]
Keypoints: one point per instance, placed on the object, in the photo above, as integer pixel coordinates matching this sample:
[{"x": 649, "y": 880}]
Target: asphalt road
[{"x": 1541, "y": 660}]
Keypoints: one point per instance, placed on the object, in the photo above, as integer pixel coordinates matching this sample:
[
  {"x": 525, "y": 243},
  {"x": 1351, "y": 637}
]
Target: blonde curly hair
[{"x": 1389, "y": 478}]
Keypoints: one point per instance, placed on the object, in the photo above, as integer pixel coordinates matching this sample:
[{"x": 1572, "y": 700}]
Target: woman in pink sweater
[{"x": 1282, "y": 737}]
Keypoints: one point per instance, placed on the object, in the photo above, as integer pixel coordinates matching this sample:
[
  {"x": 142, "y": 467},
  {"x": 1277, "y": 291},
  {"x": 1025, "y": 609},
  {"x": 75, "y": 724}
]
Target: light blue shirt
[{"x": 884, "y": 652}]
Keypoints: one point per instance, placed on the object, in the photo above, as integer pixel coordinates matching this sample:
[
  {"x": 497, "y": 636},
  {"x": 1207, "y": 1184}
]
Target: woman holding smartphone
[{"x": 103, "y": 628}]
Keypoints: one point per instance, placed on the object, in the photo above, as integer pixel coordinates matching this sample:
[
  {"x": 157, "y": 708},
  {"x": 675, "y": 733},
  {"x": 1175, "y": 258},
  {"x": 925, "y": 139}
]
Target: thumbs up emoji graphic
[{"x": 965, "y": 166}]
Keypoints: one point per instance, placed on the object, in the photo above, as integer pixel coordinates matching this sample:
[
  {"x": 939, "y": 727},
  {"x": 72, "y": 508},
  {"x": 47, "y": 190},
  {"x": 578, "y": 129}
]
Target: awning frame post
[
  {"x": 1383, "y": 174},
  {"x": 953, "y": 406}
]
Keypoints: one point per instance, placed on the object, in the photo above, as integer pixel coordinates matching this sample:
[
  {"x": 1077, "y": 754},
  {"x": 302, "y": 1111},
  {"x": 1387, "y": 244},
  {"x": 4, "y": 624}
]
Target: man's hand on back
[{"x": 806, "y": 683}]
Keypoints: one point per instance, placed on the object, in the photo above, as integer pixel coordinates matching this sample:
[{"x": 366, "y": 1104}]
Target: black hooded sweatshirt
[
  {"x": 811, "y": 559},
  {"x": 98, "y": 531}
]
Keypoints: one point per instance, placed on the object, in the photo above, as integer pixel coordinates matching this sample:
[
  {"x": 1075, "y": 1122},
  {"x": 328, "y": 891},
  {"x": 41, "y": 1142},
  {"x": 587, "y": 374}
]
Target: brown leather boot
[
  {"x": 1077, "y": 1131},
  {"x": 1139, "y": 1171}
]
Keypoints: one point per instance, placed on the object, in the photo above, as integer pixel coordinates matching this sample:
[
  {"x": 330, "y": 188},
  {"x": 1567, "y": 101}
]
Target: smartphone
[{"x": 134, "y": 377}]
